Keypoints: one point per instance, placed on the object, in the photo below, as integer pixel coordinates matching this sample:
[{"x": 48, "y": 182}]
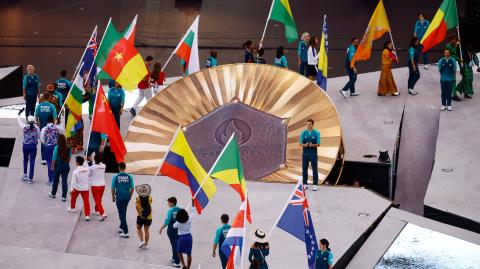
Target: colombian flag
[
  {"x": 181, "y": 165},
  {"x": 322, "y": 58},
  {"x": 446, "y": 18},
  {"x": 119, "y": 60}
]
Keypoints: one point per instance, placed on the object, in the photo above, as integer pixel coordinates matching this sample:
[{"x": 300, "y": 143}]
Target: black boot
[{"x": 456, "y": 98}]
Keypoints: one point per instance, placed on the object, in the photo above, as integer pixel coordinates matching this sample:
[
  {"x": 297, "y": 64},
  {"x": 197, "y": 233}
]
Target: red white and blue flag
[
  {"x": 233, "y": 244},
  {"x": 297, "y": 221}
]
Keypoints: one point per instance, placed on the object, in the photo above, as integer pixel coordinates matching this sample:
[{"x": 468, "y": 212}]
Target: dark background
[{"x": 52, "y": 34}]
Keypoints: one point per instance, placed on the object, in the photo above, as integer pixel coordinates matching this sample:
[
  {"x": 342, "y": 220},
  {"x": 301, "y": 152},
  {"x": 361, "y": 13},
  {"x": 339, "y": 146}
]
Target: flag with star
[
  {"x": 104, "y": 122},
  {"x": 297, "y": 221},
  {"x": 118, "y": 59}
]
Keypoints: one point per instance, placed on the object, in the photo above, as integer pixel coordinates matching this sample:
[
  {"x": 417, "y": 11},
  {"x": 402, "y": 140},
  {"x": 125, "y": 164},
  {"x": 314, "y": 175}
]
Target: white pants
[{"x": 147, "y": 94}]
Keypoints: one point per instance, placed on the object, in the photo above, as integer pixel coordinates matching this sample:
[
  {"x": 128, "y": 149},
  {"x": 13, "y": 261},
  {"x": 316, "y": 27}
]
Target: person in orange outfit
[{"x": 386, "y": 85}]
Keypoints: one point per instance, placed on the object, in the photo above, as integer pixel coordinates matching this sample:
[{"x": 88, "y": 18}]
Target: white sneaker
[
  {"x": 96, "y": 213},
  {"x": 72, "y": 210},
  {"x": 87, "y": 218},
  {"x": 425, "y": 67},
  {"x": 176, "y": 265},
  {"x": 44, "y": 162},
  {"x": 412, "y": 92},
  {"x": 449, "y": 108},
  {"x": 124, "y": 235},
  {"x": 315, "y": 188},
  {"x": 120, "y": 230},
  {"x": 354, "y": 94},
  {"x": 25, "y": 177},
  {"x": 443, "y": 108},
  {"x": 142, "y": 244},
  {"x": 344, "y": 93},
  {"x": 103, "y": 217}
]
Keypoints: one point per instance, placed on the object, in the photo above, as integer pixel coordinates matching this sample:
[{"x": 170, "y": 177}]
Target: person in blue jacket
[
  {"x": 351, "y": 71},
  {"x": 302, "y": 54},
  {"x": 172, "y": 232},
  {"x": 447, "y": 67},
  {"x": 116, "y": 98},
  {"x": 62, "y": 86},
  {"x": 31, "y": 92},
  {"x": 220, "y": 236},
  {"x": 421, "y": 27},
  {"x": 212, "y": 60},
  {"x": 43, "y": 112},
  {"x": 413, "y": 72},
  {"x": 310, "y": 141},
  {"x": 280, "y": 60}
]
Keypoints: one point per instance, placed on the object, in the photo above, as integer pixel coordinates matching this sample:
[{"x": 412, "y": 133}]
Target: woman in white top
[
  {"x": 97, "y": 184},
  {"x": 79, "y": 186},
  {"x": 312, "y": 56},
  {"x": 185, "y": 241}
]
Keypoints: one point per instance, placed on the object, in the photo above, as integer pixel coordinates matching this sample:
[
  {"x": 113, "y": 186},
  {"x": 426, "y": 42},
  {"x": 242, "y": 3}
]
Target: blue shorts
[{"x": 184, "y": 244}]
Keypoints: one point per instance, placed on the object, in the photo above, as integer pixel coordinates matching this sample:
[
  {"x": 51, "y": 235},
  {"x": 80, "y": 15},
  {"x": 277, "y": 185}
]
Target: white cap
[{"x": 31, "y": 119}]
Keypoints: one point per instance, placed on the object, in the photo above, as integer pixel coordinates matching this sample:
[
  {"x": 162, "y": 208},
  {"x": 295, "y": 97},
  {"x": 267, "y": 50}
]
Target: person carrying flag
[
  {"x": 453, "y": 46},
  {"x": 63, "y": 85},
  {"x": 116, "y": 99},
  {"x": 324, "y": 256},
  {"x": 220, "y": 235},
  {"x": 144, "y": 90},
  {"x": 351, "y": 71}
]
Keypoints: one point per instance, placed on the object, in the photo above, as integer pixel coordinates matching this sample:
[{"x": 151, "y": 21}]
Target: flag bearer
[{"x": 116, "y": 98}]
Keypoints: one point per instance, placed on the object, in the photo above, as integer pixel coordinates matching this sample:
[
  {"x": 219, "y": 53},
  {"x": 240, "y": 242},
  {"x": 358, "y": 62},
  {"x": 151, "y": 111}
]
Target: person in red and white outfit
[
  {"x": 144, "y": 90},
  {"x": 79, "y": 186},
  {"x": 97, "y": 184}
]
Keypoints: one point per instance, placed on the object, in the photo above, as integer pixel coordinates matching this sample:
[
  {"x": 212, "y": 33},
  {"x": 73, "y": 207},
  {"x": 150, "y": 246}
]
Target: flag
[
  {"x": 446, "y": 18},
  {"x": 119, "y": 60},
  {"x": 228, "y": 168},
  {"x": 74, "y": 98},
  {"x": 297, "y": 221},
  {"x": 187, "y": 49},
  {"x": 322, "y": 57},
  {"x": 129, "y": 32},
  {"x": 104, "y": 122},
  {"x": 233, "y": 244},
  {"x": 181, "y": 165},
  {"x": 377, "y": 26},
  {"x": 281, "y": 12}
]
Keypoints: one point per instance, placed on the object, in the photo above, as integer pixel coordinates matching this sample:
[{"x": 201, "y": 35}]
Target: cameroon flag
[
  {"x": 282, "y": 13},
  {"x": 119, "y": 60},
  {"x": 228, "y": 168},
  {"x": 446, "y": 18}
]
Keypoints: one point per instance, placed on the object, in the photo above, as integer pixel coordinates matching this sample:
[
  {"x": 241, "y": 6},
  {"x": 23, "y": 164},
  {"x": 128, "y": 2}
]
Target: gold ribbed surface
[{"x": 276, "y": 91}]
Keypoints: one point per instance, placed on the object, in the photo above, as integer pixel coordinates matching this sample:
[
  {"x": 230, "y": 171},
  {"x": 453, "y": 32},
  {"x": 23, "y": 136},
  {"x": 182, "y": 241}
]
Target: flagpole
[
  {"x": 244, "y": 227},
  {"x": 84, "y": 51},
  {"x": 393, "y": 44},
  {"x": 168, "y": 60},
  {"x": 266, "y": 24},
  {"x": 163, "y": 160},
  {"x": 210, "y": 171},
  {"x": 283, "y": 210},
  {"x": 460, "y": 43},
  {"x": 93, "y": 118}
]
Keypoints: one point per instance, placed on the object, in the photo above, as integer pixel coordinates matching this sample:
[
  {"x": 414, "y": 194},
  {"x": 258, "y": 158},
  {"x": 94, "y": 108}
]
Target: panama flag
[
  {"x": 187, "y": 49},
  {"x": 232, "y": 247},
  {"x": 297, "y": 221},
  {"x": 322, "y": 58}
]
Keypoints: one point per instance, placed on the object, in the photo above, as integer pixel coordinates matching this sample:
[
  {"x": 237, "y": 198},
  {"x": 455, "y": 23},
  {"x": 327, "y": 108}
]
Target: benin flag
[
  {"x": 377, "y": 26},
  {"x": 282, "y": 13},
  {"x": 446, "y": 18},
  {"x": 104, "y": 122},
  {"x": 228, "y": 168},
  {"x": 187, "y": 49},
  {"x": 119, "y": 60}
]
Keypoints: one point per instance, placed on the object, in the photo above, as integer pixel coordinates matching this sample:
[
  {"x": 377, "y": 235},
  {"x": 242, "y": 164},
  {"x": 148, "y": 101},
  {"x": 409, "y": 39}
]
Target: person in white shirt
[
  {"x": 79, "y": 186},
  {"x": 97, "y": 184},
  {"x": 185, "y": 241},
  {"x": 312, "y": 58}
]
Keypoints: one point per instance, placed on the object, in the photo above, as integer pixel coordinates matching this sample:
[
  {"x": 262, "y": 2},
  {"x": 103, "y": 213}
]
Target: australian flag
[
  {"x": 297, "y": 221},
  {"x": 87, "y": 65}
]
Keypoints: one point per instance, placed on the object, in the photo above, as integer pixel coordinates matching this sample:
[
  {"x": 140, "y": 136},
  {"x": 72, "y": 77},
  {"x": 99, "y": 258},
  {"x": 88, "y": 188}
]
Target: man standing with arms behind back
[
  {"x": 310, "y": 141},
  {"x": 31, "y": 86}
]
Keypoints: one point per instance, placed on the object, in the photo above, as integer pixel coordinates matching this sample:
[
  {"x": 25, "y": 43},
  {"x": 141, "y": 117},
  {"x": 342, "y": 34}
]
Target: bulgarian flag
[
  {"x": 228, "y": 168},
  {"x": 187, "y": 49},
  {"x": 119, "y": 60},
  {"x": 446, "y": 18},
  {"x": 280, "y": 11}
]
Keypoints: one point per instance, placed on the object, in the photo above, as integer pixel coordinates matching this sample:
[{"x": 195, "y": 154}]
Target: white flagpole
[
  {"x": 266, "y": 24},
  {"x": 210, "y": 171},
  {"x": 283, "y": 210},
  {"x": 93, "y": 118},
  {"x": 460, "y": 43},
  {"x": 163, "y": 160},
  {"x": 244, "y": 227},
  {"x": 393, "y": 44}
]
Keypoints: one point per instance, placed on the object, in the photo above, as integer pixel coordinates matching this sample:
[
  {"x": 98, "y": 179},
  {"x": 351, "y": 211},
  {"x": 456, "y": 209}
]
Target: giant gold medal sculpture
[{"x": 265, "y": 106}]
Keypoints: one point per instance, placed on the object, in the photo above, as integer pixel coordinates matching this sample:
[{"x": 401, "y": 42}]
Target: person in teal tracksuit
[
  {"x": 421, "y": 27},
  {"x": 310, "y": 141},
  {"x": 280, "y": 60},
  {"x": 447, "y": 67},
  {"x": 43, "y": 112},
  {"x": 172, "y": 232},
  {"x": 116, "y": 98},
  {"x": 122, "y": 190},
  {"x": 220, "y": 236},
  {"x": 96, "y": 143},
  {"x": 31, "y": 86},
  {"x": 212, "y": 60},
  {"x": 62, "y": 86},
  {"x": 302, "y": 54},
  {"x": 323, "y": 257},
  {"x": 351, "y": 71}
]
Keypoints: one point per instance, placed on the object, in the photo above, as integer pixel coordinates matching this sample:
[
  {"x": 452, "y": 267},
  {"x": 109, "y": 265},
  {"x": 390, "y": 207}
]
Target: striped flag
[
  {"x": 446, "y": 18},
  {"x": 322, "y": 58},
  {"x": 281, "y": 12},
  {"x": 232, "y": 247},
  {"x": 74, "y": 98},
  {"x": 187, "y": 49}
]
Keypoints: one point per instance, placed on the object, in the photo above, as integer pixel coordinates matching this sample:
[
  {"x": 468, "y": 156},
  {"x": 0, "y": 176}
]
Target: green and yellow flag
[{"x": 282, "y": 13}]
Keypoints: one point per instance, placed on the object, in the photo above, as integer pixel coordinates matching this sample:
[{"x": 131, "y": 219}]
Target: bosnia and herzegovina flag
[
  {"x": 187, "y": 49},
  {"x": 119, "y": 60},
  {"x": 322, "y": 58},
  {"x": 181, "y": 165},
  {"x": 281, "y": 12},
  {"x": 446, "y": 18},
  {"x": 228, "y": 168}
]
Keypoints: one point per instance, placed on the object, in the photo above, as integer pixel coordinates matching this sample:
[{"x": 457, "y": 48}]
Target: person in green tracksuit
[
  {"x": 323, "y": 257},
  {"x": 220, "y": 236},
  {"x": 453, "y": 47},
  {"x": 470, "y": 60}
]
